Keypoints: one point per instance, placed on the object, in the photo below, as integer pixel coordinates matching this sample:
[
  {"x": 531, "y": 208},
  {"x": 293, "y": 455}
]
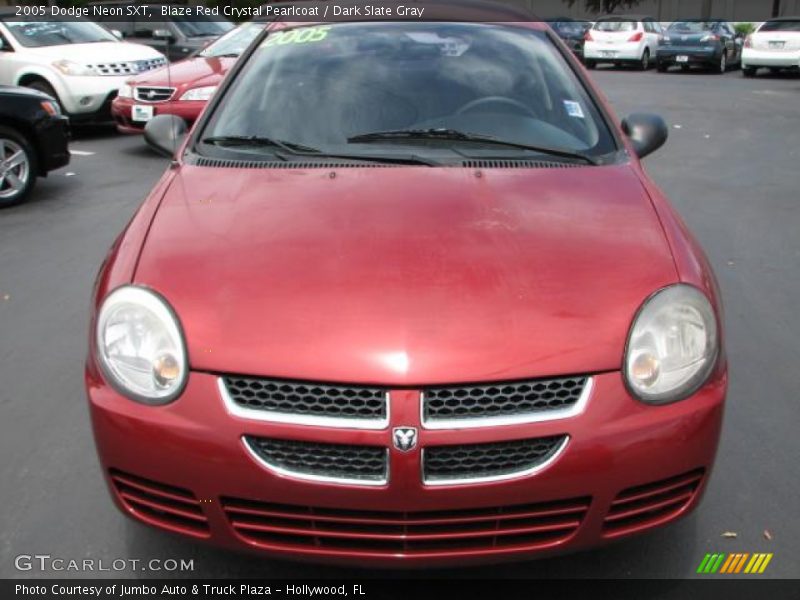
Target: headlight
[
  {"x": 672, "y": 345},
  {"x": 140, "y": 346},
  {"x": 201, "y": 93},
  {"x": 126, "y": 91},
  {"x": 67, "y": 67}
]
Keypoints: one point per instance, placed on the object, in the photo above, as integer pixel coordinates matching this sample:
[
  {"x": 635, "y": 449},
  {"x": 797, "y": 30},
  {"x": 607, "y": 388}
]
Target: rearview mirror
[
  {"x": 646, "y": 131},
  {"x": 165, "y": 134}
]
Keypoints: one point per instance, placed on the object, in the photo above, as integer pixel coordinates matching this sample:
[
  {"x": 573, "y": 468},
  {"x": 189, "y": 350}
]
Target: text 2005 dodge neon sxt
[{"x": 407, "y": 297}]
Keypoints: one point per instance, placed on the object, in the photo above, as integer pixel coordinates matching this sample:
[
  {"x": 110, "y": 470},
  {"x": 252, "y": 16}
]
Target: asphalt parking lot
[{"x": 731, "y": 167}]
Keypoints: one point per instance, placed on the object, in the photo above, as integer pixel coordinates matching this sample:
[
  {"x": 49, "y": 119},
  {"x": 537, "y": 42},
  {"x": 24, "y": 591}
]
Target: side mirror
[
  {"x": 165, "y": 134},
  {"x": 647, "y": 132},
  {"x": 162, "y": 34},
  {"x": 117, "y": 34}
]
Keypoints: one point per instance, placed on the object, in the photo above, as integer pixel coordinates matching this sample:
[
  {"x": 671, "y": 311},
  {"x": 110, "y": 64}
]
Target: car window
[
  {"x": 692, "y": 26},
  {"x": 56, "y": 32},
  {"x": 781, "y": 26},
  {"x": 144, "y": 29},
  {"x": 198, "y": 26},
  {"x": 612, "y": 25},
  {"x": 319, "y": 85},
  {"x": 235, "y": 41}
]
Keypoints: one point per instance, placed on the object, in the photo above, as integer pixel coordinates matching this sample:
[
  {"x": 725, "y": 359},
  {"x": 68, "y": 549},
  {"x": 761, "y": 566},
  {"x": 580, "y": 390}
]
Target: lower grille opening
[
  {"x": 498, "y": 460},
  {"x": 160, "y": 504},
  {"x": 312, "y": 460},
  {"x": 384, "y": 532},
  {"x": 652, "y": 503}
]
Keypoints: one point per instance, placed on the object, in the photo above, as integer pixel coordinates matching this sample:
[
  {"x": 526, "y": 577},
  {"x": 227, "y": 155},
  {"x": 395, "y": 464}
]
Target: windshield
[
  {"x": 36, "y": 34},
  {"x": 692, "y": 26},
  {"x": 320, "y": 85},
  {"x": 781, "y": 26},
  {"x": 615, "y": 25},
  {"x": 234, "y": 42},
  {"x": 198, "y": 26}
]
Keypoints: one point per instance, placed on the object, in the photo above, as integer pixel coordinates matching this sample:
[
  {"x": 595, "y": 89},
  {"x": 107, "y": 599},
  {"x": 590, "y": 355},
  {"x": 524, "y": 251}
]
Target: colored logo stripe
[{"x": 738, "y": 562}]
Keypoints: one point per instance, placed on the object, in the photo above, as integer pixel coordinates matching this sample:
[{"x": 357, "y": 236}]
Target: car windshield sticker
[
  {"x": 573, "y": 109},
  {"x": 301, "y": 35},
  {"x": 449, "y": 46}
]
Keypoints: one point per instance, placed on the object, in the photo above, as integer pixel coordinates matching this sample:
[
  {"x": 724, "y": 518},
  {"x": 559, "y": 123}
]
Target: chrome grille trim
[
  {"x": 313, "y": 477},
  {"x": 300, "y": 419},
  {"x": 131, "y": 67},
  {"x": 494, "y": 478},
  {"x": 499, "y": 421},
  {"x": 161, "y": 94}
]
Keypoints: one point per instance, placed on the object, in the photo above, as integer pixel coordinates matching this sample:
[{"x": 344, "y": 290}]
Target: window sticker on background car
[
  {"x": 449, "y": 46},
  {"x": 573, "y": 109},
  {"x": 301, "y": 35}
]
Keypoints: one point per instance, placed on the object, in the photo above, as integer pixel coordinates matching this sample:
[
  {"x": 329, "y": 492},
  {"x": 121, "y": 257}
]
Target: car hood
[
  {"x": 190, "y": 72},
  {"x": 99, "y": 52},
  {"x": 407, "y": 275}
]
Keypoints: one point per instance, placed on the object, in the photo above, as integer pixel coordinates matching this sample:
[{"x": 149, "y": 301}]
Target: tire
[
  {"x": 644, "y": 62},
  {"x": 722, "y": 65},
  {"x": 18, "y": 167},
  {"x": 40, "y": 85},
  {"x": 749, "y": 71}
]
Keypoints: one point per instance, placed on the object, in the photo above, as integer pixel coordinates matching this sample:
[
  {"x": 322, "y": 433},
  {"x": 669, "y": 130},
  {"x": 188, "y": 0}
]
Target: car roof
[{"x": 626, "y": 18}]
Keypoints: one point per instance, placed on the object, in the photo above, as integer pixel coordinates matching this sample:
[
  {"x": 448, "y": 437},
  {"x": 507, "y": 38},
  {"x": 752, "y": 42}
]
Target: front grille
[
  {"x": 365, "y": 465},
  {"x": 306, "y": 403},
  {"x": 385, "y": 533},
  {"x": 128, "y": 67},
  {"x": 159, "y": 504},
  {"x": 652, "y": 503},
  {"x": 492, "y": 404},
  {"x": 485, "y": 462},
  {"x": 153, "y": 94}
]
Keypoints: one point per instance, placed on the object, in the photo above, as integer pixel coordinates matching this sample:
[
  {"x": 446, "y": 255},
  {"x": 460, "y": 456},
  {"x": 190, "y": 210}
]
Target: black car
[
  {"x": 177, "y": 35},
  {"x": 714, "y": 45},
  {"x": 33, "y": 141},
  {"x": 572, "y": 31}
]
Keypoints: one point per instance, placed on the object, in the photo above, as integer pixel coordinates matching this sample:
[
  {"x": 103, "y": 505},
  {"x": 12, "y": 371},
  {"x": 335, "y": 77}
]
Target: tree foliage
[{"x": 604, "y": 6}]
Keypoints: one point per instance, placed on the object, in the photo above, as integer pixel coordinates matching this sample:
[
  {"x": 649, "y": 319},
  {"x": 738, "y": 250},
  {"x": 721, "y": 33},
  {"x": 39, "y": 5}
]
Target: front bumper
[
  {"x": 122, "y": 110},
  {"x": 696, "y": 55},
  {"x": 770, "y": 58},
  {"x": 192, "y": 450},
  {"x": 52, "y": 138}
]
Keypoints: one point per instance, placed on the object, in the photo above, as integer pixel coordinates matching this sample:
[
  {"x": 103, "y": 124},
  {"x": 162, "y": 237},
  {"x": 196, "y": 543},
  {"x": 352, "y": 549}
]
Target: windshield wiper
[
  {"x": 462, "y": 136},
  {"x": 257, "y": 140},
  {"x": 301, "y": 150}
]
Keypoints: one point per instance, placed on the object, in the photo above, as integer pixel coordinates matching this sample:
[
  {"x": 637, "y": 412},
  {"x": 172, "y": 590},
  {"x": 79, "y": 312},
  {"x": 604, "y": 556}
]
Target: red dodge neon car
[
  {"x": 406, "y": 296},
  {"x": 181, "y": 89}
]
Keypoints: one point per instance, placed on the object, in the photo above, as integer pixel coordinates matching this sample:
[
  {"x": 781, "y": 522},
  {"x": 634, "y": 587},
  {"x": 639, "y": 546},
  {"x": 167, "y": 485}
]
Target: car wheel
[
  {"x": 40, "y": 85},
  {"x": 18, "y": 167},
  {"x": 749, "y": 71},
  {"x": 722, "y": 65},
  {"x": 644, "y": 63}
]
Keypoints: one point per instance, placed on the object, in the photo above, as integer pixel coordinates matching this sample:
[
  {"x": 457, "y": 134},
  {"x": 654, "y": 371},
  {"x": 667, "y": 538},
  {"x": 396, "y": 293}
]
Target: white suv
[
  {"x": 77, "y": 62},
  {"x": 621, "y": 40}
]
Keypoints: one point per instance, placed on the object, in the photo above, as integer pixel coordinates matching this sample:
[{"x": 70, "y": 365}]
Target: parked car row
[{"x": 715, "y": 45}]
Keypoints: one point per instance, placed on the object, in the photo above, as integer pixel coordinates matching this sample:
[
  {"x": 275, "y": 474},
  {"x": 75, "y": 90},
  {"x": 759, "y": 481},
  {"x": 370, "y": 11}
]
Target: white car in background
[
  {"x": 776, "y": 45},
  {"x": 622, "y": 39},
  {"x": 75, "y": 61}
]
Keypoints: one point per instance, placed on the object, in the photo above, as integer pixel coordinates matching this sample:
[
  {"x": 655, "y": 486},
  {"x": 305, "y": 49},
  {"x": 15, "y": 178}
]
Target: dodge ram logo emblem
[{"x": 405, "y": 438}]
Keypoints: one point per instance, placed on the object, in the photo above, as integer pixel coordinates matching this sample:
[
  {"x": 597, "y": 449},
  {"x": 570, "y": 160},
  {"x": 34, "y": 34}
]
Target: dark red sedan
[
  {"x": 183, "y": 88},
  {"x": 407, "y": 297}
]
